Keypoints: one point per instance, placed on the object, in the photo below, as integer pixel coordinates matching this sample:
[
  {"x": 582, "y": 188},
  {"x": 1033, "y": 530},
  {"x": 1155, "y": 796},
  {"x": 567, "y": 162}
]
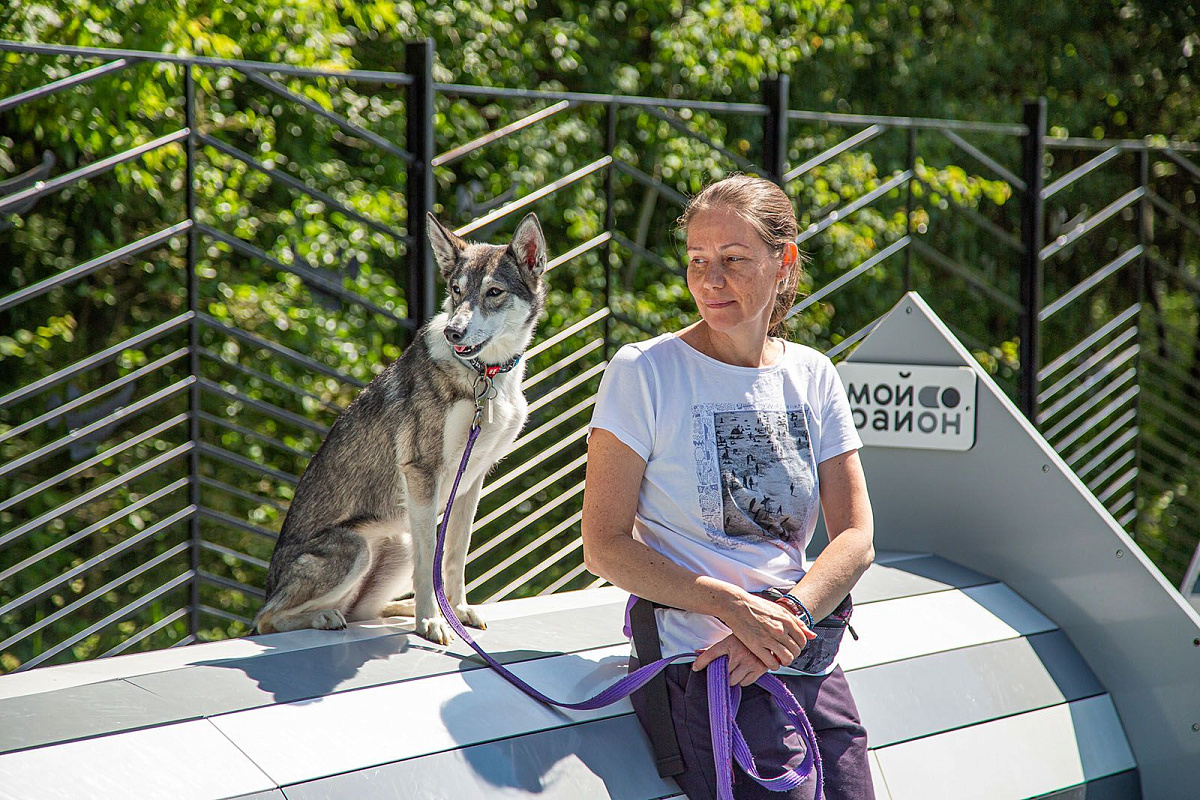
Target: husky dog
[{"x": 361, "y": 529}]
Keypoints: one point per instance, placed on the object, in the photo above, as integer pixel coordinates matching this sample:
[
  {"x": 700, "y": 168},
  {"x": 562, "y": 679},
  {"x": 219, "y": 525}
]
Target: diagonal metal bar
[
  {"x": 1083, "y": 228},
  {"x": 563, "y": 363},
  {"x": 450, "y": 156},
  {"x": 145, "y": 633},
  {"x": 67, "y": 541},
  {"x": 118, "y": 415},
  {"x": 241, "y": 524},
  {"x": 983, "y": 158},
  {"x": 74, "y": 606},
  {"x": 1114, "y": 487},
  {"x": 682, "y": 127},
  {"x": 90, "y": 171},
  {"x": 1108, "y": 452},
  {"x": 861, "y": 137},
  {"x": 568, "y": 386},
  {"x": 233, "y": 459},
  {"x": 1092, "y": 361},
  {"x": 525, "y": 466},
  {"x": 337, "y": 119},
  {"x": 229, "y": 583},
  {"x": 970, "y": 276},
  {"x": 1100, "y": 438},
  {"x": 1094, "y": 420},
  {"x": 566, "y": 578},
  {"x": 853, "y": 338},
  {"x": 574, "y": 544},
  {"x": 66, "y": 373},
  {"x": 1088, "y": 341},
  {"x": 1109, "y": 471},
  {"x": 533, "y": 197},
  {"x": 277, "y": 349},
  {"x": 849, "y": 275},
  {"x": 523, "y": 551},
  {"x": 240, "y": 556},
  {"x": 221, "y": 486},
  {"x": 87, "y": 464},
  {"x": 146, "y": 467},
  {"x": 250, "y": 372},
  {"x": 590, "y": 244},
  {"x": 1115, "y": 385},
  {"x": 94, "y": 265},
  {"x": 529, "y": 436},
  {"x": 326, "y": 283},
  {"x": 300, "y": 186},
  {"x": 649, "y": 180},
  {"x": 1090, "y": 282},
  {"x": 647, "y": 254},
  {"x": 89, "y": 564},
  {"x": 1179, "y": 374},
  {"x": 570, "y": 330},
  {"x": 841, "y": 213},
  {"x": 515, "y": 501},
  {"x": 271, "y": 410},
  {"x": 65, "y": 83},
  {"x": 999, "y": 234},
  {"x": 130, "y": 608},
  {"x": 222, "y": 614},
  {"x": 253, "y": 434},
  {"x": 84, "y": 399},
  {"x": 520, "y": 525},
  {"x": 1172, "y": 211},
  {"x": 1175, "y": 156},
  {"x": 1171, "y": 410},
  {"x": 1080, "y": 171}
]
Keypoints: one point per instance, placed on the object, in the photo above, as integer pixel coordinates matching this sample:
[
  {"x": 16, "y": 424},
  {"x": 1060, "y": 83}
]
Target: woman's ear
[{"x": 790, "y": 254}]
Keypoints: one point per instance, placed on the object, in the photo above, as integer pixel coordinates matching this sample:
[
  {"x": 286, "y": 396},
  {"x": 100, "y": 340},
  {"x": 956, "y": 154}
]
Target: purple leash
[{"x": 727, "y": 739}]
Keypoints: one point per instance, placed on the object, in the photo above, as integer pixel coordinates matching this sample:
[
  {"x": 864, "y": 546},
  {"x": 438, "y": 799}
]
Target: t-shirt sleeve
[
  {"x": 838, "y": 434},
  {"x": 625, "y": 401}
]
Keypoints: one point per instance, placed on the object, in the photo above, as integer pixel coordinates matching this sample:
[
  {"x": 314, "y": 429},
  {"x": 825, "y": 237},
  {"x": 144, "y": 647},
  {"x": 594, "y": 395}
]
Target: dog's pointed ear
[
  {"x": 446, "y": 246},
  {"x": 529, "y": 245}
]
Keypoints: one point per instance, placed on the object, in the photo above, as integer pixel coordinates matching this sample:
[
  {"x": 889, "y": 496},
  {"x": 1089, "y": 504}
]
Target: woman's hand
[
  {"x": 744, "y": 667},
  {"x": 772, "y": 633}
]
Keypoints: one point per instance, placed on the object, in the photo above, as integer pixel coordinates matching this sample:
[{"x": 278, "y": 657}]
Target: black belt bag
[{"x": 816, "y": 657}]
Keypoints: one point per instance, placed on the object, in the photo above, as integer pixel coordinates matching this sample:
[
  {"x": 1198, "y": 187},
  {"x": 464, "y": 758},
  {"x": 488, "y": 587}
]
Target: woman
[{"x": 708, "y": 451}]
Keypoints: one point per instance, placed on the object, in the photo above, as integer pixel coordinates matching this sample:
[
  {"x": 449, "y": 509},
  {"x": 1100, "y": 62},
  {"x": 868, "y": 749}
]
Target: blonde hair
[{"x": 765, "y": 207}]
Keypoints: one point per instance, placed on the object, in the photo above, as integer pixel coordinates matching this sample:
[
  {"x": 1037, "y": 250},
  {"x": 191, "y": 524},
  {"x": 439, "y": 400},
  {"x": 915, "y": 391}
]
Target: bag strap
[{"x": 662, "y": 730}]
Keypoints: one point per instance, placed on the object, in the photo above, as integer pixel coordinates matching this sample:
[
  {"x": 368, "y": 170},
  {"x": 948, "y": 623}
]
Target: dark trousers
[{"x": 774, "y": 742}]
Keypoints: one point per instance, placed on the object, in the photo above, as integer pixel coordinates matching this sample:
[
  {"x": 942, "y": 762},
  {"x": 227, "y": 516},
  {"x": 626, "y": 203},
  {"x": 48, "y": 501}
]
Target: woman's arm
[
  {"x": 610, "y": 496},
  {"x": 850, "y": 523}
]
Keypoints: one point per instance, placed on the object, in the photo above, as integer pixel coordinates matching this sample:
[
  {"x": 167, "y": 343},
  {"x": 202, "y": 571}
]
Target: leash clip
[{"x": 483, "y": 394}]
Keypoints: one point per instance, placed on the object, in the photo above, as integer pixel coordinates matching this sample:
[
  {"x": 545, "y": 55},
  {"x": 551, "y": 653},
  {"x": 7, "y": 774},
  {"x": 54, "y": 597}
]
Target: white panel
[
  {"x": 351, "y": 730},
  {"x": 180, "y": 762},
  {"x": 64, "y": 676},
  {"x": 931, "y": 623},
  {"x": 1020, "y": 756},
  {"x": 877, "y": 781}
]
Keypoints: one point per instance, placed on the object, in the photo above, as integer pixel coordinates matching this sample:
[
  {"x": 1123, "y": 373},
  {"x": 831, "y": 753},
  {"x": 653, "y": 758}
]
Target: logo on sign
[{"x": 911, "y": 406}]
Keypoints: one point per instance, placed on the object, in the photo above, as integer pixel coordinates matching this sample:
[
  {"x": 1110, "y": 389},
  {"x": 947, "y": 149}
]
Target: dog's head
[{"x": 494, "y": 293}]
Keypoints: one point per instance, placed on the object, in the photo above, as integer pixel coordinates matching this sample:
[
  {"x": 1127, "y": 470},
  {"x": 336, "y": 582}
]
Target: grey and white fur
[{"x": 361, "y": 528}]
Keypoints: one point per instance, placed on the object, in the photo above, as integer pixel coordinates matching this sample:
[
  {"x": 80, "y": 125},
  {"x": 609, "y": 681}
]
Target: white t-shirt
[{"x": 730, "y": 488}]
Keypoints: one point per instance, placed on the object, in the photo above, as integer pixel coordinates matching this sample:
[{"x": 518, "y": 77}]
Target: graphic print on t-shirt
[{"x": 756, "y": 471}]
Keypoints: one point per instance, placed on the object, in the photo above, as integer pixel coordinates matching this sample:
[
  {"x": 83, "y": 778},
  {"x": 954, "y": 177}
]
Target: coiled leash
[{"x": 728, "y": 742}]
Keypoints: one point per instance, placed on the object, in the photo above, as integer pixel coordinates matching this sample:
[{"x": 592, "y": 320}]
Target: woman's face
[{"x": 731, "y": 272}]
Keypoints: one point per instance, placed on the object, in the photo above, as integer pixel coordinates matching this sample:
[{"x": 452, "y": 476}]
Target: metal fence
[{"x": 161, "y": 394}]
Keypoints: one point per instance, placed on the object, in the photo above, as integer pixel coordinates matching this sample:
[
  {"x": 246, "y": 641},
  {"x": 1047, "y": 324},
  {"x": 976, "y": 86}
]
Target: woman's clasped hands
[{"x": 765, "y": 636}]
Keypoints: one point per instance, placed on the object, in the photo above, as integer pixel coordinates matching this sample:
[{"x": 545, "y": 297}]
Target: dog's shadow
[{"x": 536, "y": 757}]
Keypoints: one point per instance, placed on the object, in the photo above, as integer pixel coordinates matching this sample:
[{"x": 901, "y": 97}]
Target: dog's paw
[
  {"x": 331, "y": 620},
  {"x": 399, "y": 608},
  {"x": 469, "y": 616},
  {"x": 436, "y": 630}
]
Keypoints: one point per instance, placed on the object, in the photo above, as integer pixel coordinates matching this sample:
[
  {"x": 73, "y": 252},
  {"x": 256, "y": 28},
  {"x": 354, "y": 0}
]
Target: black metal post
[
  {"x": 418, "y": 62},
  {"x": 1033, "y": 149},
  {"x": 775, "y": 127},
  {"x": 908, "y": 204},
  {"x": 610, "y": 221},
  {"x": 193, "y": 294}
]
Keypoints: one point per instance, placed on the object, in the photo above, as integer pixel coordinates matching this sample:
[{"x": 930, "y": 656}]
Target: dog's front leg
[
  {"x": 458, "y": 542},
  {"x": 422, "y": 488}
]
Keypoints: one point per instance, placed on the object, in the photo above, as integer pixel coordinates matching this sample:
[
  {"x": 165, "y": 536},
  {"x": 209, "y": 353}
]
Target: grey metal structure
[{"x": 991, "y": 663}]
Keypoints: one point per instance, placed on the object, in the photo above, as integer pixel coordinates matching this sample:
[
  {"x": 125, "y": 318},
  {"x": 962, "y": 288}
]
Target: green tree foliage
[{"x": 1109, "y": 69}]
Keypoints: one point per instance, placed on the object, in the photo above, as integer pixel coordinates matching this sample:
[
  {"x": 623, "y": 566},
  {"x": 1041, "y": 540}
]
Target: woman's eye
[{"x": 495, "y": 292}]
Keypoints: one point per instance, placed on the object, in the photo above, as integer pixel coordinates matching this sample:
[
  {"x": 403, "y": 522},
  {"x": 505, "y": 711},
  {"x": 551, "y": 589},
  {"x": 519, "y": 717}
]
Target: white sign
[{"x": 901, "y": 405}]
